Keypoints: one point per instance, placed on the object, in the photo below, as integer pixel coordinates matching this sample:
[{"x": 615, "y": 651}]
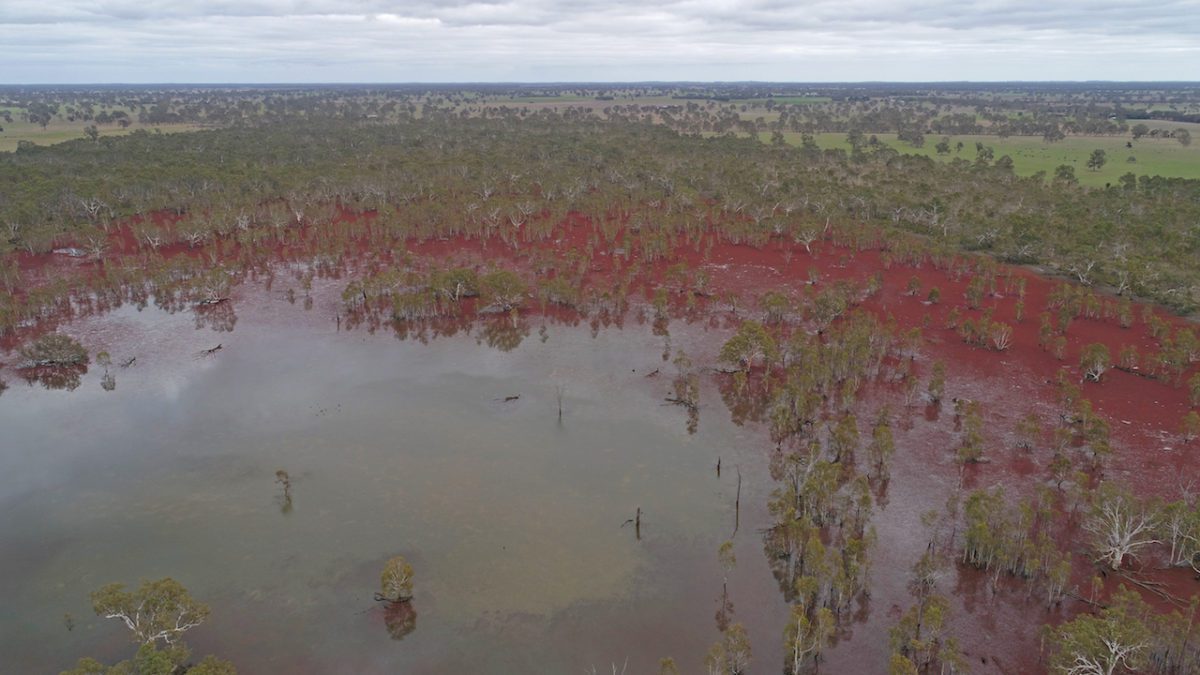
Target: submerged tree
[
  {"x": 730, "y": 655},
  {"x": 751, "y": 343},
  {"x": 1189, "y": 428},
  {"x": 157, "y": 610},
  {"x": 970, "y": 450},
  {"x": 805, "y": 636},
  {"x": 883, "y": 444},
  {"x": 150, "y": 660},
  {"x": 396, "y": 582},
  {"x": 937, "y": 382},
  {"x": 1116, "y": 640},
  {"x": 1094, "y": 361},
  {"x": 1119, "y": 525}
]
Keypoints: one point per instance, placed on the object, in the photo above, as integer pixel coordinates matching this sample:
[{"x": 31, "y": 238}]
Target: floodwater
[
  {"x": 511, "y": 517},
  {"x": 514, "y": 521}
]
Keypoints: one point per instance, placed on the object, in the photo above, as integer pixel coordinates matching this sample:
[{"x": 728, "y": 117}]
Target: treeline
[
  {"x": 506, "y": 177},
  {"x": 1050, "y": 111}
]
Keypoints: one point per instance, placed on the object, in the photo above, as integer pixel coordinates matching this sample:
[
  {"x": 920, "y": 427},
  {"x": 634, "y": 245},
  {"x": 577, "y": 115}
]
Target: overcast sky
[{"x": 83, "y": 41}]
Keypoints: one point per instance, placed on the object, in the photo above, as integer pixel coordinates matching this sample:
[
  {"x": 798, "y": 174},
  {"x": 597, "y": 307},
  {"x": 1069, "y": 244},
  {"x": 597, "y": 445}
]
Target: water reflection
[
  {"x": 55, "y": 377},
  {"x": 220, "y": 317},
  {"x": 511, "y": 511},
  {"x": 284, "y": 498},
  {"x": 504, "y": 332},
  {"x": 400, "y": 619}
]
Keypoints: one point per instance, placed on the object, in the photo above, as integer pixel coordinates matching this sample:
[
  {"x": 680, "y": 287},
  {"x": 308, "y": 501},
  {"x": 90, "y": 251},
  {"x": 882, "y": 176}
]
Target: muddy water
[{"x": 511, "y": 518}]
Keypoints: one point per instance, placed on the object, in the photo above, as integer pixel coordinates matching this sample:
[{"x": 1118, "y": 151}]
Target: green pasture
[
  {"x": 59, "y": 130},
  {"x": 1162, "y": 157}
]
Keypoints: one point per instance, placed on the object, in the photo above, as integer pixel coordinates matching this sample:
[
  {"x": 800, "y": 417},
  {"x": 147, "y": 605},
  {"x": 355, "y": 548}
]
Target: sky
[{"x": 256, "y": 41}]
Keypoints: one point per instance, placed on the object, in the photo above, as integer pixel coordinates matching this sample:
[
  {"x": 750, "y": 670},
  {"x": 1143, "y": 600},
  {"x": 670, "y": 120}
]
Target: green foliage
[
  {"x": 150, "y": 660},
  {"x": 806, "y": 636},
  {"x": 1115, "y": 640},
  {"x": 1189, "y": 428},
  {"x": 899, "y": 664},
  {"x": 1120, "y": 525},
  {"x": 307, "y": 166},
  {"x": 559, "y": 291},
  {"x": 1065, "y": 173},
  {"x": 749, "y": 345},
  {"x": 454, "y": 284},
  {"x": 726, "y": 556},
  {"x": 937, "y": 382},
  {"x": 502, "y": 289},
  {"x": 396, "y": 580},
  {"x": 157, "y": 610},
  {"x": 883, "y": 444},
  {"x": 919, "y": 635},
  {"x": 211, "y": 665},
  {"x": 1018, "y": 541},
  {"x": 974, "y": 292},
  {"x": 843, "y": 439},
  {"x": 1094, "y": 361},
  {"x": 776, "y": 305},
  {"x": 970, "y": 449},
  {"x": 54, "y": 350},
  {"x": 1029, "y": 431},
  {"x": 730, "y": 655}
]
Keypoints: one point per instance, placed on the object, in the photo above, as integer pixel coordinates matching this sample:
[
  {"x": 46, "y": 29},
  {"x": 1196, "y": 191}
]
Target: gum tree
[
  {"x": 502, "y": 289},
  {"x": 157, "y": 610},
  {"x": 396, "y": 581},
  {"x": 1119, "y": 526},
  {"x": 1094, "y": 361},
  {"x": 806, "y": 636},
  {"x": 751, "y": 343},
  {"x": 1116, "y": 640}
]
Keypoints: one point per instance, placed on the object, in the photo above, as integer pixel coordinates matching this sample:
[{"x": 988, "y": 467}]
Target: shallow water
[{"x": 511, "y": 518}]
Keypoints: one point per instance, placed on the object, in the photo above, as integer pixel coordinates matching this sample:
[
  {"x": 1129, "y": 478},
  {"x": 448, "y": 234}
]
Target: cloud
[{"x": 589, "y": 40}]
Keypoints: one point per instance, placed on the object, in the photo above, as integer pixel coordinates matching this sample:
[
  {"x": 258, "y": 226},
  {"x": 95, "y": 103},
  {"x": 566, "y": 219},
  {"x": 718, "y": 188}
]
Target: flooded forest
[{"x": 615, "y": 380}]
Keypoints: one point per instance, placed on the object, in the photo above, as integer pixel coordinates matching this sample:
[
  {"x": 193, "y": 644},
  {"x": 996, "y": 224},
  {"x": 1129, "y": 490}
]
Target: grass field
[
  {"x": 61, "y": 130},
  {"x": 1162, "y": 157},
  {"x": 565, "y": 98},
  {"x": 790, "y": 100}
]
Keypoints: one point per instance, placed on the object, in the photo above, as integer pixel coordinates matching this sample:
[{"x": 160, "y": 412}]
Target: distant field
[
  {"x": 792, "y": 100},
  {"x": 565, "y": 98},
  {"x": 60, "y": 130},
  {"x": 1163, "y": 157}
]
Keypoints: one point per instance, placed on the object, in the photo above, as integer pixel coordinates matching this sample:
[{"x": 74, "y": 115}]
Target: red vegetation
[{"x": 998, "y": 630}]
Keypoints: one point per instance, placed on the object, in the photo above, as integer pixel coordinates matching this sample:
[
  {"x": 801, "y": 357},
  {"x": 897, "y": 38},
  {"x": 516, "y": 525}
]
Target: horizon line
[{"x": 592, "y": 83}]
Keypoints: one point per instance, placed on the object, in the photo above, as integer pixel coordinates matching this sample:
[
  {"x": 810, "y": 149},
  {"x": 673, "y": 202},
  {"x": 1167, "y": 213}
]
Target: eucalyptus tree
[
  {"x": 1116, "y": 639},
  {"x": 396, "y": 581},
  {"x": 1120, "y": 525},
  {"x": 157, "y": 610}
]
